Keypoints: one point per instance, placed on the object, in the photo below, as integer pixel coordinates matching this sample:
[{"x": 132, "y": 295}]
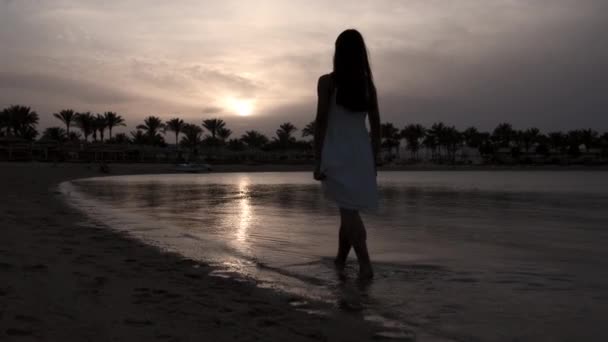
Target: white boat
[{"x": 193, "y": 168}]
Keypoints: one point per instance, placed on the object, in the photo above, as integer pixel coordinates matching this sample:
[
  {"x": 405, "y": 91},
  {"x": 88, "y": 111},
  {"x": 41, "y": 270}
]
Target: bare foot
[
  {"x": 366, "y": 272},
  {"x": 339, "y": 264},
  {"x": 340, "y": 267}
]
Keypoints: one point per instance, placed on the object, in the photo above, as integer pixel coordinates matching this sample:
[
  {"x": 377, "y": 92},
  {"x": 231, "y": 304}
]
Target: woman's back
[
  {"x": 347, "y": 158},
  {"x": 345, "y": 126}
]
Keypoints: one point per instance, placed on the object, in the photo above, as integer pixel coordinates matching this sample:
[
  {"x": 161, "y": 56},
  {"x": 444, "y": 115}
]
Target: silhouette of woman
[{"x": 345, "y": 156}]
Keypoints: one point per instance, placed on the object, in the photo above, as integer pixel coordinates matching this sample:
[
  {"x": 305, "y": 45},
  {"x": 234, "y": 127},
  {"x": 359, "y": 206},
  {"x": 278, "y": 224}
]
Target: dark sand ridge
[{"x": 64, "y": 280}]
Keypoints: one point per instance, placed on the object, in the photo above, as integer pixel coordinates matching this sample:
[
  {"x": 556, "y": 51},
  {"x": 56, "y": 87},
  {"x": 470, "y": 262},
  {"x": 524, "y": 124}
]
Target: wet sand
[{"x": 64, "y": 278}]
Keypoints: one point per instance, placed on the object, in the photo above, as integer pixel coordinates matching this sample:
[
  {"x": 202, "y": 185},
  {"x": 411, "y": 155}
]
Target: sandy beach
[{"x": 64, "y": 278}]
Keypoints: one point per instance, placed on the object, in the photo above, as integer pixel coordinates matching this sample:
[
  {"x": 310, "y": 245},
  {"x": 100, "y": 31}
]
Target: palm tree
[
  {"x": 284, "y": 134},
  {"x": 471, "y": 137},
  {"x": 557, "y": 141},
  {"x": 120, "y": 139},
  {"x": 574, "y": 139},
  {"x": 309, "y": 130},
  {"x": 54, "y": 134},
  {"x": 213, "y": 126},
  {"x": 529, "y": 137},
  {"x": 453, "y": 140},
  {"x": 430, "y": 142},
  {"x": 28, "y": 133},
  {"x": 113, "y": 120},
  {"x": 604, "y": 144},
  {"x": 22, "y": 121},
  {"x": 479, "y": 141},
  {"x": 152, "y": 126},
  {"x": 223, "y": 134},
  {"x": 66, "y": 116},
  {"x": 192, "y": 136},
  {"x": 100, "y": 124},
  {"x": 436, "y": 138},
  {"x": 138, "y": 137},
  {"x": 254, "y": 139},
  {"x": 413, "y": 134},
  {"x": 84, "y": 121},
  {"x": 503, "y": 134},
  {"x": 235, "y": 145},
  {"x": 589, "y": 138},
  {"x": 176, "y": 126},
  {"x": 542, "y": 145},
  {"x": 486, "y": 147},
  {"x": 390, "y": 136},
  {"x": 4, "y": 123},
  {"x": 74, "y": 136}
]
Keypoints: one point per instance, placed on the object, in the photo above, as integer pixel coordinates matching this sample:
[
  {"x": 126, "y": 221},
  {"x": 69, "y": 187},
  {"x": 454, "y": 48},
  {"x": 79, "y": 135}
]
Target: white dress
[{"x": 347, "y": 160}]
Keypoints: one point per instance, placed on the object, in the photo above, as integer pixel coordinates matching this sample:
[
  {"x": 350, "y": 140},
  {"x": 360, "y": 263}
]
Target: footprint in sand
[
  {"x": 27, "y": 319},
  {"x": 4, "y": 266},
  {"x": 18, "y": 332},
  {"x": 67, "y": 250},
  {"x": 170, "y": 295},
  {"x": 137, "y": 322},
  {"x": 84, "y": 259},
  {"x": 145, "y": 295},
  {"x": 35, "y": 267},
  {"x": 265, "y": 322},
  {"x": 142, "y": 295},
  {"x": 164, "y": 336},
  {"x": 100, "y": 281},
  {"x": 193, "y": 275}
]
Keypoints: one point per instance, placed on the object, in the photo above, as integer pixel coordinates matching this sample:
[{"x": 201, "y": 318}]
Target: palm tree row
[
  {"x": 193, "y": 135},
  {"x": 89, "y": 124},
  {"x": 443, "y": 141}
]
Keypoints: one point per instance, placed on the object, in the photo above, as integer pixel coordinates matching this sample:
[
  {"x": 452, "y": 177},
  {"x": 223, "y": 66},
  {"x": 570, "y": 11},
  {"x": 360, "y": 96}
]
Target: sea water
[{"x": 458, "y": 255}]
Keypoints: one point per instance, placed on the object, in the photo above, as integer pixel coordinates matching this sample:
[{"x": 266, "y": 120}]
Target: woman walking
[{"x": 345, "y": 154}]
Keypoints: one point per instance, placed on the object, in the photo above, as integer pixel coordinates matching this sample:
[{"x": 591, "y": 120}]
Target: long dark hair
[{"x": 352, "y": 73}]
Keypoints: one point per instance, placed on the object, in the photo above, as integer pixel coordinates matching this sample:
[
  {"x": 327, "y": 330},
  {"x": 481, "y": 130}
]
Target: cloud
[
  {"x": 212, "y": 110},
  {"x": 551, "y": 78},
  {"x": 470, "y": 62},
  {"x": 81, "y": 91}
]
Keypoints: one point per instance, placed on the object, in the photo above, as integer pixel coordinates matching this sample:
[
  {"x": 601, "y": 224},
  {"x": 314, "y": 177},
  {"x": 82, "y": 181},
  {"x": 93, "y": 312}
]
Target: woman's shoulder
[
  {"x": 326, "y": 78},
  {"x": 326, "y": 81}
]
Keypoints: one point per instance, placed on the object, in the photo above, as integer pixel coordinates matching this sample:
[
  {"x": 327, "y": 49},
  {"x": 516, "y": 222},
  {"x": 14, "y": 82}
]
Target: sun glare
[{"x": 242, "y": 107}]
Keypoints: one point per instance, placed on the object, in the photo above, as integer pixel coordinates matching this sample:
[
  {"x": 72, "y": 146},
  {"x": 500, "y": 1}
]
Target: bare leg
[
  {"x": 358, "y": 239},
  {"x": 359, "y": 242},
  {"x": 344, "y": 244}
]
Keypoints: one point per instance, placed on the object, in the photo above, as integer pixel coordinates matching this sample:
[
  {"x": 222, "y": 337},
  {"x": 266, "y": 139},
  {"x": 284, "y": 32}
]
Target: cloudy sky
[{"x": 537, "y": 63}]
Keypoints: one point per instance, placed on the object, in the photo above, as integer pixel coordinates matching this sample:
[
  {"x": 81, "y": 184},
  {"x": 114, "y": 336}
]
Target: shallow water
[{"x": 489, "y": 256}]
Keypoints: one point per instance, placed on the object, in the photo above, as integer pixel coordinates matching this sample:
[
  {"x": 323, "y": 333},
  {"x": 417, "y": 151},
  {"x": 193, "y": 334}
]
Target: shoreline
[
  {"x": 117, "y": 169},
  {"x": 63, "y": 277}
]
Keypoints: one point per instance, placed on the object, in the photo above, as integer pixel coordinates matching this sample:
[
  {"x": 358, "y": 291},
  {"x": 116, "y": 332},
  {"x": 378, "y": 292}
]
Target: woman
[{"x": 345, "y": 156}]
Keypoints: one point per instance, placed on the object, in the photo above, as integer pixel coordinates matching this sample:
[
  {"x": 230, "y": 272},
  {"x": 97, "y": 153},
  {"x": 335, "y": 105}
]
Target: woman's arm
[
  {"x": 323, "y": 96},
  {"x": 374, "y": 123}
]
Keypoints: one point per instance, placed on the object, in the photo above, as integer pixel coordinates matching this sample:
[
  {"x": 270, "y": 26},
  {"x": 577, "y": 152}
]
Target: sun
[{"x": 242, "y": 107}]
